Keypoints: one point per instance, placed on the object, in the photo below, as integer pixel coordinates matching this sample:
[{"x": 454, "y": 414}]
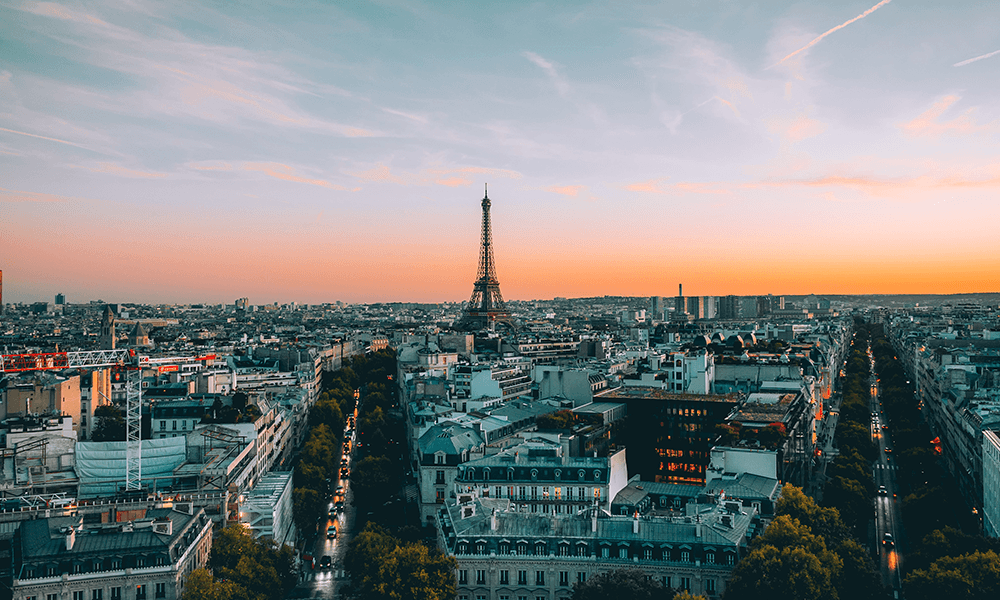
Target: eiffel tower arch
[{"x": 486, "y": 307}]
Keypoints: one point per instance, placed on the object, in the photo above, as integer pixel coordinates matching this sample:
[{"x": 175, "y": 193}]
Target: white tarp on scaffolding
[{"x": 101, "y": 465}]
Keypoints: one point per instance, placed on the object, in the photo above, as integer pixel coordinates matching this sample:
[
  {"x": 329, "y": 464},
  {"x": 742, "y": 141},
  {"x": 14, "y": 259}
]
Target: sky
[{"x": 320, "y": 151}]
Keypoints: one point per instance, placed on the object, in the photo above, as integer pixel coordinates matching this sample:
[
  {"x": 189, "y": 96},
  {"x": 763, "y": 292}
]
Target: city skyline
[{"x": 160, "y": 152}]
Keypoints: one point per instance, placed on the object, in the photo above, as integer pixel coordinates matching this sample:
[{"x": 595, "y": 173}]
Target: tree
[
  {"x": 626, "y": 584},
  {"x": 971, "y": 576},
  {"x": 412, "y": 572},
  {"x": 802, "y": 568},
  {"x": 852, "y": 500},
  {"x": 859, "y": 580},
  {"x": 371, "y": 479},
  {"x": 258, "y": 569},
  {"x": 110, "y": 424},
  {"x": 561, "y": 419},
  {"x": 385, "y": 568},
  {"x": 822, "y": 521},
  {"x": 200, "y": 586}
]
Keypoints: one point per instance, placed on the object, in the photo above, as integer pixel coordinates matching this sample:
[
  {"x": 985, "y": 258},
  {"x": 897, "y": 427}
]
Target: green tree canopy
[
  {"x": 970, "y": 576},
  {"x": 627, "y": 583},
  {"x": 110, "y": 424}
]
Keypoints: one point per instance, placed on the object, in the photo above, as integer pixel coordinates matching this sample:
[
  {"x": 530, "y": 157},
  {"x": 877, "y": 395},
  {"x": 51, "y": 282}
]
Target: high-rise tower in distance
[{"x": 486, "y": 307}]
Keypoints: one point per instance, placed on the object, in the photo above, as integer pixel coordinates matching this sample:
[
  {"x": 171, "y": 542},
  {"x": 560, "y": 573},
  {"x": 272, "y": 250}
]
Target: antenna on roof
[{"x": 486, "y": 190}]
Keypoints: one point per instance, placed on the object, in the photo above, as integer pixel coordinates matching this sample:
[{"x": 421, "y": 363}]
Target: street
[
  {"x": 320, "y": 581},
  {"x": 888, "y": 523}
]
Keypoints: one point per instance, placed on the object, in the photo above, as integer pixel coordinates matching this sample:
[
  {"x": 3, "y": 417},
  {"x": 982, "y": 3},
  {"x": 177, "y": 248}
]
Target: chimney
[
  {"x": 493, "y": 520},
  {"x": 593, "y": 519},
  {"x": 70, "y": 538},
  {"x": 697, "y": 529},
  {"x": 680, "y": 289},
  {"x": 635, "y": 523}
]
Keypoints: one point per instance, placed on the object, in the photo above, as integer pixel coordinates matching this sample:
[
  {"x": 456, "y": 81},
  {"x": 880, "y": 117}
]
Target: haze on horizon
[{"x": 309, "y": 151}]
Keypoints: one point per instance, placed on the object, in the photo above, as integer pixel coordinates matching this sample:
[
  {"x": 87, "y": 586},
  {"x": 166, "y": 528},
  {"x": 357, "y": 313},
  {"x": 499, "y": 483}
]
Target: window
[
  {"x": 116, "y": 593},
  {"x": 581, "y": 577},
  {"x": 141, "y": 562},
  {"x": 504, "y": 577},
  {"x": 623, "y": 553},
  {"x": 522, "y": 549},
  {"x": 685, "y": 583},
  {"x": 51, "y": 597},
  {"x": 78, "y": 568},
  {"x": 175, "y": 425},
  {"x": 31, "y": 598},
  {"x": 539, "y": 549},
  {"x": 480, "y": 576},
  {"x": 439, "y": 458},
  {"x": 581, "y": 550},
  {"x": 163, "y": 425},
  {"x": 605, "y": 552},
  {"x": 161, "y": 590},
  {"x": 709, "y": 557},
  {"x": 666, "y": 581},
  {"x": 730, "y": 559},
  {"x": 710, "y": 586},
  {"x": 563, "y": 550},
  {"x": 140, "y": 592},
  {"x": 97, "y": 594},
  {"x": 463, "y": 577},
  {"x": 480, "y": 596},
  {"x": 539, "y": 577},
  {"x": 647, "y": 554},
  {"x": 116, "y": 563},
  {"x": 497, "y": 489},
  {"x": 522, "y": 578},
  {"x": 50, "y": 571},
  {"x": 563, "y": 577},
  {"x": 685, "y": 556},
  {"x": 504, "y": 548},
  {"x": 78, "y": 595},
  {"x": 481, "y": 548},
  {"x": 439, "y": 496}
]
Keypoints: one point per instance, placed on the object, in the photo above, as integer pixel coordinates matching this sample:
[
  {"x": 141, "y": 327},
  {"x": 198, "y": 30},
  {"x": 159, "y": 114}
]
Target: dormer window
[
  {"x": 582, "y": 474},
  {"x": 597, "y": 475},
  {"x": 558, "y": 473},
  {"x": 439, "y": 458},
  {"x": 534, "y": 474}
]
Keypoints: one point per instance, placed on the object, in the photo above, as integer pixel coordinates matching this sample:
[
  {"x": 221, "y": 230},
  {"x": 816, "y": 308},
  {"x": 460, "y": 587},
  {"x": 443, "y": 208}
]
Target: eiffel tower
[{"x": 486, "y": 307}]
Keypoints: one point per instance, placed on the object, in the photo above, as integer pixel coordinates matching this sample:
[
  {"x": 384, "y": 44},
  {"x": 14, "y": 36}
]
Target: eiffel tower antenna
[{"x": 486, "y": 307}]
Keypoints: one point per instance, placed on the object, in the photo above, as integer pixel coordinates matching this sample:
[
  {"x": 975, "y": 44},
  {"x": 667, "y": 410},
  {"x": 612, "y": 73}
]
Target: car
[
  {"x": 326, "y": 562},
  {"x": 339, "y": 506},
  {"x": 887, "y": 539},
  {"x": 333, "y": 511},
  {"x": 885, "y": 427},
  {"x": 331, "y": 532},
  {"x": 888, "y": 450},
  {"x": 882, "y": 491},
  {"x": 345, "y": 473},
  {"x": 340, "y": 490}
]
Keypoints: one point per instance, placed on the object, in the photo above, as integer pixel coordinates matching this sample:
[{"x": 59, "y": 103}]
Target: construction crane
[{"x": 121, "y": 360}]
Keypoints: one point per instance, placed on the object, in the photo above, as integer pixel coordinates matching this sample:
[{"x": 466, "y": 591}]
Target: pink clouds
[
  {"x": 928, "y": 123},
  {"x": 114, "y": 169},
  {"x": 566, "y": 190},
  {"x": 796, "y": 129},
  {"x": 22, "y": 196},
  {"x": 287, "y": 173}
]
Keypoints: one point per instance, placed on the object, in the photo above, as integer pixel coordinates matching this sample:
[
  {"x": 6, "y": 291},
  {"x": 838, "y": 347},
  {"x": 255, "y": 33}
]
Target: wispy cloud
[
  {"x": 455, "y": 177},
  {"x": 828, "y": 32},
  {"x": 796, "y": 129},
  {"x": 929, "y": 123},
  {"x": 972, "y": 60},
  {"x": 115, "y": 169},
  {"x": 23, "y": 196},
  {"x": 287, "y": 173},
  {"x": 566, "y": 190},
  {"x": 405, "y": 115},
  {"x": 558, "y": 81},
  {"x": 43, "y": 137},
  {"x": 660, "y": 186}
]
